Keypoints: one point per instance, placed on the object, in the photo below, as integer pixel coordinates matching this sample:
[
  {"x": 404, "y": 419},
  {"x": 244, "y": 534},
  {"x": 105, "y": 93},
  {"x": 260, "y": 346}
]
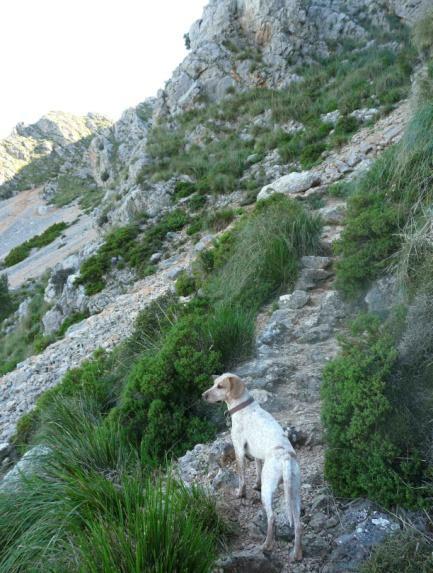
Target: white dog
[{"x": 256, "y": 433}]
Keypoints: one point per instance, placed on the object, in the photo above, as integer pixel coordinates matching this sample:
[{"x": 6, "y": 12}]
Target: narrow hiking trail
[{"x": 293, "y": 345}]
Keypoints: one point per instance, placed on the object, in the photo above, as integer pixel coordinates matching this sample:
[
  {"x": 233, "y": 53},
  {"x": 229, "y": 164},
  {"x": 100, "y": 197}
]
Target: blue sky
[{"x": 87, "y": 55}]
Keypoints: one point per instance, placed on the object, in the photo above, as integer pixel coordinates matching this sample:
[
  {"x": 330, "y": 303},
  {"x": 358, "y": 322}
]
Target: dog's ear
[{"x": 236, "y": 386}]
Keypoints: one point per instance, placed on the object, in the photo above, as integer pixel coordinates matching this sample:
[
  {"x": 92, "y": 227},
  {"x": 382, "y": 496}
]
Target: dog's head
[{"x": 226, "y": 388}]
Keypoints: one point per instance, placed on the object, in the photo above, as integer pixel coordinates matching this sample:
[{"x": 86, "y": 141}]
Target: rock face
[
  {"x": 251, "y": 43},
  {"x": 57, "y": 143},
  {"x": 117, "y": 155}
]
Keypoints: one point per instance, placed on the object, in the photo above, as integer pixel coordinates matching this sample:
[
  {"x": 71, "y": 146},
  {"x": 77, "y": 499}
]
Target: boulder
[{"x": 295, "y": 182}]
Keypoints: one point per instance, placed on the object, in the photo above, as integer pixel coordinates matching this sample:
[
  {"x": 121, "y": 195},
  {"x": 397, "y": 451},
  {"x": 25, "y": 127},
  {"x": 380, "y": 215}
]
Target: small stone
[
  {"x": 297, "y": 299},
  {"x": 247, "y": 561},
  {"x": 318, "y": 521},
  {"x": 203, "y": 243},
  {"x": 156, "y": 257}
]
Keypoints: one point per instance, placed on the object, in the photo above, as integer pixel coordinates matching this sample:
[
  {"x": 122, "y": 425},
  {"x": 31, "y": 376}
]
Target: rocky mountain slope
[{"x": 274, "y": 99}]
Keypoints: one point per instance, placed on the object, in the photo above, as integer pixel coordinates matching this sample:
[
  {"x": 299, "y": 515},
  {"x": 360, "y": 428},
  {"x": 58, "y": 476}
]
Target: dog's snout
[{"x": 205, "y": 395}]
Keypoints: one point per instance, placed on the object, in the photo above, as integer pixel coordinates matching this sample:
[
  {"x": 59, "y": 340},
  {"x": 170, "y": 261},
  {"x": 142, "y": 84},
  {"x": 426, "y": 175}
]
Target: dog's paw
[
  {"x": 295, "y": 555},
  {"x": 241, "y": 492},
  {"x": 267, "y": 546}
]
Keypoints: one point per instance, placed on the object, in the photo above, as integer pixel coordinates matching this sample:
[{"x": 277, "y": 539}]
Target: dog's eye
[{"x": 219, "y": 386}]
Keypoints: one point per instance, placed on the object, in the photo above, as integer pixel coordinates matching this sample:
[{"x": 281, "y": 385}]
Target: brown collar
[{"x": 240, "y": 406}]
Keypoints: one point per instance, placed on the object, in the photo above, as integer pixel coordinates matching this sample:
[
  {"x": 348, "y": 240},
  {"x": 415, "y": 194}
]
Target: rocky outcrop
[
  {"x": 57, "y": 143},
  {"x": 240, "y": 44},
  {"x": 409, "y": 10},
  {"x": 117, "y": 155}
]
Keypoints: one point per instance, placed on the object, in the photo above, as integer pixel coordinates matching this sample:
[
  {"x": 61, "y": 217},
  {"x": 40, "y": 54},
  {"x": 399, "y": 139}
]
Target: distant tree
[
  {"x": 187, "y": 41},
  {"x": 6, "y": 304}
]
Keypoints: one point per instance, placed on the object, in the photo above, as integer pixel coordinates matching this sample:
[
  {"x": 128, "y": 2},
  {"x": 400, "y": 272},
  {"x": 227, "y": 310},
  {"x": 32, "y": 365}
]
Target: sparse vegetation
[
  {"x": 407, "y": 552},
  {"x": 21, "y": 252},
  {"x": 348, "y": 81},
  {"x": 70, "y": 188},
  {"x": 128, "y": 245}
]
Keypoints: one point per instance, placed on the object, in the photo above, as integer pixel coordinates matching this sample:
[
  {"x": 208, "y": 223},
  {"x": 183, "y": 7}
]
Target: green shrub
[
  {"x": 185, "y": 284},
  {"x": 21, "y": 252},
  {"x": 94, "y": 269},
  {"x": 370, "y": 448},
  {"x": 6, "y": 303},
  {"x": 23, "y": 340},
  {"x": 407, "y": 552},
  {"x": 160, "y": 404}
]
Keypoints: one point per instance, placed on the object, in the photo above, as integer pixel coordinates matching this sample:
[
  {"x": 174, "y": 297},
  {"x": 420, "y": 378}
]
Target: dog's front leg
[
  {"x": 240, "y": 459},
  {"x": 258, "y": 484}
]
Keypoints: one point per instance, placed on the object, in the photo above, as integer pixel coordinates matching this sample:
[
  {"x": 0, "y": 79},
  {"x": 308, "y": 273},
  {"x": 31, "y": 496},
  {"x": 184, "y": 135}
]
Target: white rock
[{"x": 295, "y": 182}]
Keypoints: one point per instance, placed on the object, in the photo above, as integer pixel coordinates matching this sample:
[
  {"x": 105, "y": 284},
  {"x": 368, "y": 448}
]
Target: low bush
[
  {"x": 372, "y": 450},
  {"x": 406, "y": 552},
  {"x": 6, "y": 303},
  {"x": 127, "y": 244},
  {"x": 185, "y": 284},
  {"x": 23, "y": 340},
  {"x": 21, "y": 252},
  {"x": 161, "y": 404}
]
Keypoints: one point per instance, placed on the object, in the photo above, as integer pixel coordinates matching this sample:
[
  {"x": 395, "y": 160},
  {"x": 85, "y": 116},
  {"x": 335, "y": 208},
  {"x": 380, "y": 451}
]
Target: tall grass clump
[
  {"x": 90, "y": 505},
  {"x": 394, "y": 191},
  {"x": 264, "y": 253}
]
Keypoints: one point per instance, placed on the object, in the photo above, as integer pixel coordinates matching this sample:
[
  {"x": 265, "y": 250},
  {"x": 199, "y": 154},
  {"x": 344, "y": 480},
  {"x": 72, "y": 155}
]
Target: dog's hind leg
[
  {"x": 271, "y": 475},
  {"x": 258, "y": 484},
  {"x": 295, "y": 504}
]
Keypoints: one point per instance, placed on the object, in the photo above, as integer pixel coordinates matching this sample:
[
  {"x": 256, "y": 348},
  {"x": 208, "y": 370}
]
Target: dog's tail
[{"x": 292, "y": 487}]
